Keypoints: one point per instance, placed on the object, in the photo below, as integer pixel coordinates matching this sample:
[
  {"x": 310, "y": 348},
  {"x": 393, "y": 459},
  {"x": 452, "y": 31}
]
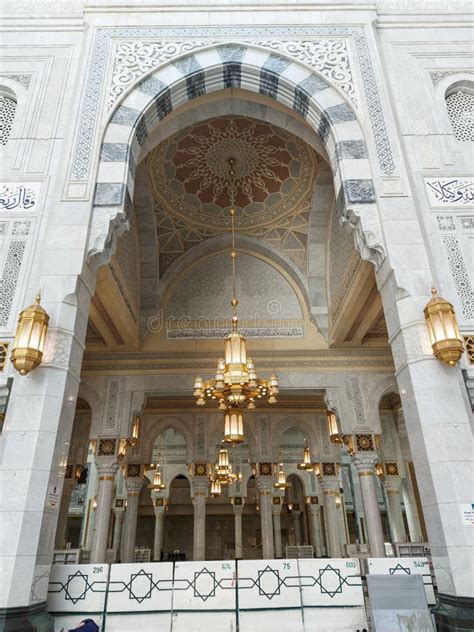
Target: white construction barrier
[
  {"x": 306, "y": 595},
  {"x": 139, "y": 597},
  {"x": 77, "y": 592},
  {"x": 332, "y": 595},
  {"x": 404, "y": 566}
]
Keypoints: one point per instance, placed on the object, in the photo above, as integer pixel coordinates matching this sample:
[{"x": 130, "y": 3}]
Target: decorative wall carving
[
  {"x": 112, "y": 405},
  {"x": 93, "y": 92},
  {"x": 3, "y": 355},
  {"x": 461, "y": 277},
  {"x": 357, "y": 399},
  {"x": 106, "y": 447},
  {"x": 439, "y": 75},
  {"x": 23, "y": 79},
  {"x": 9, "y": 279}
]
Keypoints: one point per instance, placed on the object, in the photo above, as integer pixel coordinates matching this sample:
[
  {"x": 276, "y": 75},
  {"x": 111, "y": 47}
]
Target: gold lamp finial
[
  {"x": 446, "y": 340},
  {"x": 30, "y": 337}
]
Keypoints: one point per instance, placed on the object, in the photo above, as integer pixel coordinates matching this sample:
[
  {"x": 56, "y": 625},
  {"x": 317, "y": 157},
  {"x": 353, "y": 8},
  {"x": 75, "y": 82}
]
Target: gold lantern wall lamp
[
  {"x": 30, "y": 338},
  {"x": 446, "y": 341}
]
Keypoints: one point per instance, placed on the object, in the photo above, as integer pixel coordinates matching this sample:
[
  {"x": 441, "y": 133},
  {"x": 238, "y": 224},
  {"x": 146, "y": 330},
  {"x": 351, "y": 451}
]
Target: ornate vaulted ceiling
[{"x": 189, "y": 176}]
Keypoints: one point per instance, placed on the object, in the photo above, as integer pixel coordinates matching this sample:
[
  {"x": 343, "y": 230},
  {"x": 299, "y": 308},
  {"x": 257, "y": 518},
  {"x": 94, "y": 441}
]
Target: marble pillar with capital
[
  {"x": 265, "y": 490},
  {"x": 119, "y": 517},
  {"x": 330, "y": 487},
  {"x": 276, "y": 511},
  {"x": 61, "y": 530},
  {"x": 106, "y": 470},
  {"x": 159, "y": 508},
  {"x": 133, "y": 486},
  {"x": 238, "y": 508},
  {"x": 364, "y": 462},
  {"x": 200, "y": 491},
  {"x": 392, "y": 488},
  {"x": 314, "y": 512}
]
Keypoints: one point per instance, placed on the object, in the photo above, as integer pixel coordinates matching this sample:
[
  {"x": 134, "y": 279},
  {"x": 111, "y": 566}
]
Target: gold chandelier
[
  {"x": 308, "y": 465},
  {"x": 157, "y": 484},
  {"x": 281, "y": 483},
  {"x": 236, "y": 384},
  {"x": 223, "y": 472}
]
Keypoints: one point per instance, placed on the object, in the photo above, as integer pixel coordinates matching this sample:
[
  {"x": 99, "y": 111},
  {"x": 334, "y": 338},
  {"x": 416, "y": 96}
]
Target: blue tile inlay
[
  {"x": 351, "y": 149},
  {"x": 268, "y": 84},
  {"x": 195, "y": 85},
  {"x": 340, "y": 113},
  {"x": 109, "y": 193},
  {"x": 151, "y": 86},
  {"x": 232, "y": 75},
  {"x": 301, "y": 102},
  {"x": 359, "y": 191},
  {"x": 324, "y": 128},
  {"x": 114, "y": 152},
  {"x": 231, "y": 52},
  {"x": 313, "y": 84},
  {"x": 188, "y": 65},
  {"x": 141, "y": 132},
  {"x": 125, "y": 116},
  {"x": 276, "y": 64},
  {"x": 163, "y": 104}
]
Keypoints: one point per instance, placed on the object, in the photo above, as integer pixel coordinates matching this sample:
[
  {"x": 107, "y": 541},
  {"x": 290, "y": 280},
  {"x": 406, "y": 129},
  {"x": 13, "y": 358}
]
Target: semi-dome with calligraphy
[{"x": 190, "y": 178}]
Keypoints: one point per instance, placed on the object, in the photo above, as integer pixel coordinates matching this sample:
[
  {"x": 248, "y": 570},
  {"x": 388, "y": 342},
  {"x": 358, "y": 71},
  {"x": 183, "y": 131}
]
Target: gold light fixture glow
[
  {"x": 446, "y": 341},
  {"x": 216, "y": 489},
  {"x": 236, "y": 384},
  {"x": 30, "y": 338},
  {"x": 157, "y": 484},
  {"x": 307, "y": 464},
  {"x": 223, "y": 469},
  {"x": 135, "y": 430},
  {"x": 333, "y": 430},
  {"x": 281, "y": 482},
  {"x": 233, "y": 427}
]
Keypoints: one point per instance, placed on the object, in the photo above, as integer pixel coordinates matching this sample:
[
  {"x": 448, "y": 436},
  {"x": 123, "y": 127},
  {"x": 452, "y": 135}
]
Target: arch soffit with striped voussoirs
[{"x": 290, "y": 83}]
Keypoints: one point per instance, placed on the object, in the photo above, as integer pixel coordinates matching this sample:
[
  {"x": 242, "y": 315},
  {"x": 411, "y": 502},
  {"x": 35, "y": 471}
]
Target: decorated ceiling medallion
[{"x": 274, "y": 173}]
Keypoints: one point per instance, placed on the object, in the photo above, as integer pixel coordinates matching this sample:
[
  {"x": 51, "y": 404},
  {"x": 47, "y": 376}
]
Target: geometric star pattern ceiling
[{"x": 274, "y": 177}]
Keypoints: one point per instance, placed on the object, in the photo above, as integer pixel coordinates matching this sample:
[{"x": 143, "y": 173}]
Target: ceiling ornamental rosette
[{"x": 275, "y": 174}]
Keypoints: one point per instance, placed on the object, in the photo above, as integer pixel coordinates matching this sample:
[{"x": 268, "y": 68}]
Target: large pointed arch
[{"x": 250, "y": 68}]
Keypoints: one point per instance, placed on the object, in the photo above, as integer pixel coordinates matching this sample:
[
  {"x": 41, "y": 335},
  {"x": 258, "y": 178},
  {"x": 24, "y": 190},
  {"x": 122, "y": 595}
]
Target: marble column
[
  {"x": 276, "y": 510},
  {"x": 133, "y": 486},
  {"x": 69, "y": 484},
  {"x": 391, "y": 485},
  {"x": 296, "y": 515},
  {"x": 119, "y": 513},
  {"x": 105, "y": 489},
  {"x": 438, "y": 414},
  {"x": 411, "y": 512},
  {"x": 265, "y": 488},
  {"x": 160, "y": 514},
  {"x": 365, "y": 466},
  {"x": 200, "y": 489},
  {"x": 330, "y": 487},
  {"x": 315, "y": 523},
  {"x": 238, "y": 510}
]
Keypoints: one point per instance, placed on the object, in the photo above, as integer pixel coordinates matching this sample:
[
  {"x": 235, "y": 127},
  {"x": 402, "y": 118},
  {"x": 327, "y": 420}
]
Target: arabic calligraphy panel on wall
[{"x": 450, "y": 191}]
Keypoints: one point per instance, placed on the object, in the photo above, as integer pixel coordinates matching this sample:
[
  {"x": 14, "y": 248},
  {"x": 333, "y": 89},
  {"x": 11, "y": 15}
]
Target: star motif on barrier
[
  {"x": 327, "y": 576},
  {"x": 143, "y": 588},
  {"x": 76, "y": 587},
  {"x": 399, "y": 569},
  {"x": 266, "y": 577},
  {"x": 204, "y": 584}
]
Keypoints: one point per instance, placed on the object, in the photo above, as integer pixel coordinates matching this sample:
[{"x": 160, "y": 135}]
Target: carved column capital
[
  {"x": 106, "y": 468},
  {"x": 364, "y": 462},
  {"x": 133, "y": 486},
  {"x": 392, "y": 484}
]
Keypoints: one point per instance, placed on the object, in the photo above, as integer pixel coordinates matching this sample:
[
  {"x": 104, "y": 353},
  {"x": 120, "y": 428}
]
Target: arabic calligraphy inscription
[
  {"x": 450, "y": 191},
  {"x": 16, "y": 196}
]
